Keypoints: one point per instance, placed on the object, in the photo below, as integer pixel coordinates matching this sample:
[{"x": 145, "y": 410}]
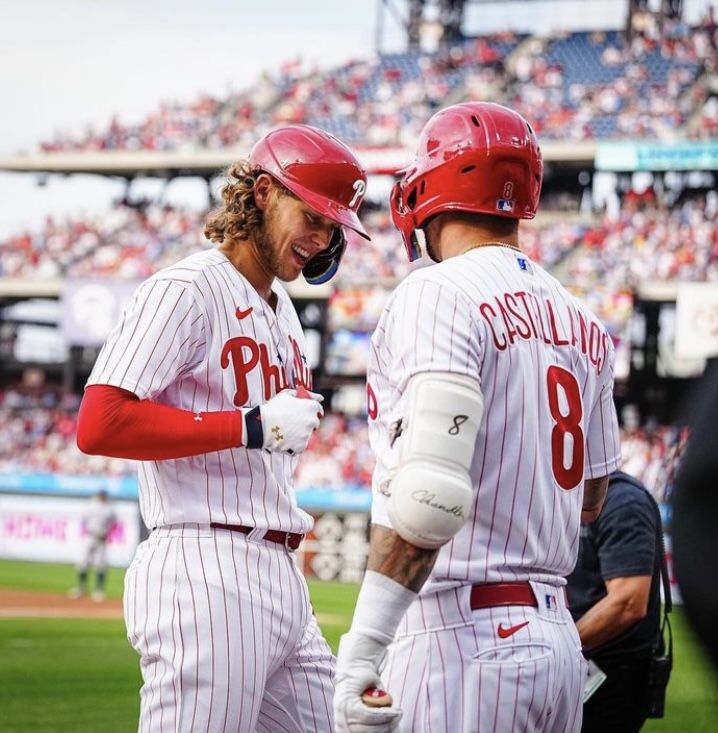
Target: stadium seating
[{"x": 575, "y": 86}]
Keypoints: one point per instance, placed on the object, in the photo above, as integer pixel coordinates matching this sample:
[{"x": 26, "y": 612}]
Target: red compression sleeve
[{"x": 114, "y": 422}]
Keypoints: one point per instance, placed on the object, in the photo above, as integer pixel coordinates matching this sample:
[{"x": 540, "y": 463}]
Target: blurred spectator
[
  {"x": 652, "y": 453},
  {"x": 614, "y": 596}
]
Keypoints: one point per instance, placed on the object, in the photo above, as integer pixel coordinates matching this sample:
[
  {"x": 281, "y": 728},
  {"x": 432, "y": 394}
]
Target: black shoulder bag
[{"x": 661, "y": 661}]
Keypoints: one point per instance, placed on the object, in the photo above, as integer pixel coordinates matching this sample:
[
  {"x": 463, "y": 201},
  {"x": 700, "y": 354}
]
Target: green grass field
[{"x": 80, "y": 676}]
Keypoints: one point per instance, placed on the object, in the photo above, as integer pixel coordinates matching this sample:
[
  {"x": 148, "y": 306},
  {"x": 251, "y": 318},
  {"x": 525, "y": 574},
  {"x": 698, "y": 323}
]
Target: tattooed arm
[{"x": 399, "y": 560}]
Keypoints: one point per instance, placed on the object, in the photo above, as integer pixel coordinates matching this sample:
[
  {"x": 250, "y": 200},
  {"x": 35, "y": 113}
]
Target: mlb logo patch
[
  {"x": 551, "y": 602},
  {"x": 504, "y": 205},
  {"x": 524, "y": 265}
]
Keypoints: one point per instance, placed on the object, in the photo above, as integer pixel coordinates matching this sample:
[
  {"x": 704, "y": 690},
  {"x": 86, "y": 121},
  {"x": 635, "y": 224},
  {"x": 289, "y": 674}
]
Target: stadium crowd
[
  {"x": 38, "y": 428},
  {"x": 648, "y": 241},
  {"x": 128, "y": 241},
  {"x": 572, "y": 86}
]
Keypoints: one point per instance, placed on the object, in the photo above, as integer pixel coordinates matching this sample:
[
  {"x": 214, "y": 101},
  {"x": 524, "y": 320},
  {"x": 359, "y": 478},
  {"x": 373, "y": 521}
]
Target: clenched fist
[
  {"x": 358, "y": 662},
  {"x": 285, "y": 423}
]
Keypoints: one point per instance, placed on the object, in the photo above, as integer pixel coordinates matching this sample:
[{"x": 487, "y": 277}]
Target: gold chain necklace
[{"x": 491, "y": 244}]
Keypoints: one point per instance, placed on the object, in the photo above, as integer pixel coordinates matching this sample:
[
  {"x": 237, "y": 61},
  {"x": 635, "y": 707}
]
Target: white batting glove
[
  {"x": 285, "y": 423},
  {"x": 358, "y": 663}
]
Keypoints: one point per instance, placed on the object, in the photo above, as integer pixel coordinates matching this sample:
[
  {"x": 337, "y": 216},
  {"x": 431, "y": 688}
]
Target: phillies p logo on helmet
[{"x": 359, "y": 190}]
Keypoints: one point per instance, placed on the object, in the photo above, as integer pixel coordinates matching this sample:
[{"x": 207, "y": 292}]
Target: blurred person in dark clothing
[{"x": 614, "y": 597}]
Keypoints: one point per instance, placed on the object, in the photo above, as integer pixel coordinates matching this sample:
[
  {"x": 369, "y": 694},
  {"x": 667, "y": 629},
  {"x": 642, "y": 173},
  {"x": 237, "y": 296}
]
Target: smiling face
[{"x": 291, "y": 233}]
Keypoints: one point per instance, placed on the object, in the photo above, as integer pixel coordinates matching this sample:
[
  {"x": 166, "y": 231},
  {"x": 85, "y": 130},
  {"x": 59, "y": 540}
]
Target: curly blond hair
[{"x": 239, "y": 216}]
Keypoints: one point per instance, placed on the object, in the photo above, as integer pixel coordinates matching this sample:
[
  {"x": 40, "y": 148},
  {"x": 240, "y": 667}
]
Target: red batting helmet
[
  {"x": 478, "y": 157},
  {"x": 324, "y": 173}
]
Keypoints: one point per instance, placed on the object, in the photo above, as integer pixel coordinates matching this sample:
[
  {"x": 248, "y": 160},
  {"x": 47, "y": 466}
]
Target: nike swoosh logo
[
  {"x": 243, "y": 314},
  {"x": 505, "y": 632}
]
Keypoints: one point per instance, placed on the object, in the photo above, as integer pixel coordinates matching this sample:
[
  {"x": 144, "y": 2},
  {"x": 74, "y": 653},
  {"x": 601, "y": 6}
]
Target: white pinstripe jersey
[
  {"x": 198, "y": 336},
  {"x": 545, "y": 365}
]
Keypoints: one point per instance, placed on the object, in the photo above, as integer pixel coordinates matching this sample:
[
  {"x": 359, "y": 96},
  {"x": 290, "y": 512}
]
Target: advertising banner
[
  {"x": 647, "y": 156},
  {"x": 697, "y": 320},
  {"x": 50, "y": 529}
]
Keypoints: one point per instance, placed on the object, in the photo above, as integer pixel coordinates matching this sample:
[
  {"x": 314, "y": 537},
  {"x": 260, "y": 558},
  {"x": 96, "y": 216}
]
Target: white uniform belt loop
[{"x": 255, "y": 535}]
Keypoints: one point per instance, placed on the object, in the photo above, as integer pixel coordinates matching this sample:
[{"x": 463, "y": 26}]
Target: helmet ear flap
[
  {"x": 404, "y": 221},
  {"x": 323, "y": 266}
]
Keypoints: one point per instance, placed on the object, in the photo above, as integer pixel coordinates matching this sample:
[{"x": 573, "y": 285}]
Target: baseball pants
[
  {"x": 226, "y": 636},
  {"x": 450, "y": 671}
]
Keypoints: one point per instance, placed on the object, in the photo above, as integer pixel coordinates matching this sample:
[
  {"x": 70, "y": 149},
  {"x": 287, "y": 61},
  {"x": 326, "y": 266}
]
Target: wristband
[
  {"x": 380, "y": 607},
  {"x": 255, "y": 431}
]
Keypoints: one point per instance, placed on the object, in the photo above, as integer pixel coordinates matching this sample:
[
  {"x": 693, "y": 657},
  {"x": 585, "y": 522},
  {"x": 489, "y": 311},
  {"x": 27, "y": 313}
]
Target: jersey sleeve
[
  {"x": 603, "y": 445},
  {"x": 432, "y": 330},
  {"x": 159, "y": 337},
  {"x": 427, "y": 327}
]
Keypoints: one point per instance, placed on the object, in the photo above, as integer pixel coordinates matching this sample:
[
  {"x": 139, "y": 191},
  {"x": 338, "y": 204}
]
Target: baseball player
[
  {"x": 205, "y": 381},
  {"x": 491, "y": 416},
  {"x": 98, "y": 519}
]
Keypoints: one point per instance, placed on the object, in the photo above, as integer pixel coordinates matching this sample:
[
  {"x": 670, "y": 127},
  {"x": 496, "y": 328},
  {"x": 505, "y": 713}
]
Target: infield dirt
[{"x": 32, "y": 604}]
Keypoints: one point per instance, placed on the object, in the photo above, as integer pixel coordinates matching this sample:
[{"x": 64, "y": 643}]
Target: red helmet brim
[{"x": 342, "y": 215}]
